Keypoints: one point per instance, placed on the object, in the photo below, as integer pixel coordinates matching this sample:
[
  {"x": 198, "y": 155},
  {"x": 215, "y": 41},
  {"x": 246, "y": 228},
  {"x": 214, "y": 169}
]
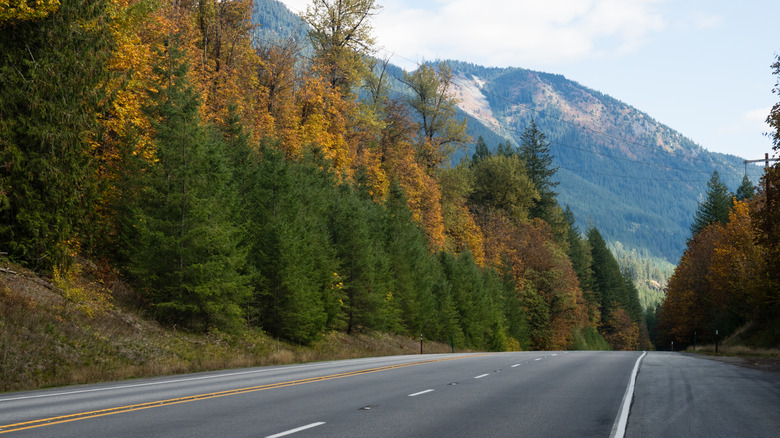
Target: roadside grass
[
  {"x": 736, "y": 350},
  {"x": 85, "y": 326}
]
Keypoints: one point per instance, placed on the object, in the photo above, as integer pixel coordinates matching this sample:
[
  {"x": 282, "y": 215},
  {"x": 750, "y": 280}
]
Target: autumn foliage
[{"x": 255, "y": 187}]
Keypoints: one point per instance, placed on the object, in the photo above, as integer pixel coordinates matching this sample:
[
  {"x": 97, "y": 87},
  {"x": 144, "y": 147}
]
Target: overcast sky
[{"x": 701, "y": 67}]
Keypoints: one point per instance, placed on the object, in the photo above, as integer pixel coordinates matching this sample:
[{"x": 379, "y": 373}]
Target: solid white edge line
[
  {"x": 420, "y": 393},
  {"x": 164, "y": 382},
  {"x": 481, "y": 376},
  {"x": 298, "y": 429},
  {"x": 621, "y": 422},
  {"x": 256, "y": 370}
]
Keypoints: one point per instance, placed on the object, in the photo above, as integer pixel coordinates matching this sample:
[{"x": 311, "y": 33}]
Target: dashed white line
[
  {"x": 515, "y": 365},
  {"x": 420, "y": 393},
  {"x": 298, "y": 429},
  {"x": 481, "y": 376},
  {"x": 538, "y": 358}
]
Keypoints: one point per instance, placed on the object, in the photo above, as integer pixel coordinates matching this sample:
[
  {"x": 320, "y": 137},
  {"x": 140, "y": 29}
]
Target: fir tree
[
  {"x": 607, "y": 279},
  {"x": 535, "y": 151},
  {"x": 715, "y": 207},
  {"x": 745, "y": 191},
  {"x": 481, "y": 151},
  {"x": 52, "y": 93},
  {"x": 579, "y": 255},
  {"x": 184, "y": 254}
]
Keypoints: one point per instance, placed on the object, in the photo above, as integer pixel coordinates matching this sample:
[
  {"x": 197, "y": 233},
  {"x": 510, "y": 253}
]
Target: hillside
[
  {"x": 637, "y": 180},
  {"x": 87, "y": 327}
]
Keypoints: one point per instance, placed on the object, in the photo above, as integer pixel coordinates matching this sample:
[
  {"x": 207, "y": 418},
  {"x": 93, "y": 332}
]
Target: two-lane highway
[
  {"x": 535, "y": 394},
  {"x": 525, "y": 394}
]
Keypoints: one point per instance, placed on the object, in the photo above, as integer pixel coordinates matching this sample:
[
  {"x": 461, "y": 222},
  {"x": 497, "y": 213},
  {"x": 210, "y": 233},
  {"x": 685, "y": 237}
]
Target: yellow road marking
[{"x": 160, "y": 403}]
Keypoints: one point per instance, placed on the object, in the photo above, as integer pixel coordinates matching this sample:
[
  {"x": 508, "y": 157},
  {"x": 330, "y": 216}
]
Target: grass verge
[{"x": 84, "y": 326}]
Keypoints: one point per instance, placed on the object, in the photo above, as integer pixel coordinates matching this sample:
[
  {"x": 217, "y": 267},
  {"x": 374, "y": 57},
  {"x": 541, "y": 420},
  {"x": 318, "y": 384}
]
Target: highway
[{"x": 529, "y": 394}]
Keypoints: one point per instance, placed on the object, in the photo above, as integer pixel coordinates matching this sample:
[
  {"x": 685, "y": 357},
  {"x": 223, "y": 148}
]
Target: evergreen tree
[
  {"x": 540, "y": 334},
  {"x": 185, "y": 253},
  {"x": 745, "y": 191},
  {"x": 506, "y": 149},
  {"x": 52, "y": 93},
  {"x": 535, "y": 151},
  {"x": 481, "y": 151},
  {"x": 579, "y": 255},
  {"x": 415, "y": 271},
  {"x": 355, "y": 230},
  {"x": 607, "y": 279},
  {"x": 715, "y": 207},
  {"x": 298, "y": 292}
]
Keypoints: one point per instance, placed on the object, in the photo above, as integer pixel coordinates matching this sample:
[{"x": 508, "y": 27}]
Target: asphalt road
[
  {"x": 679, "y": 395},
  {"x": 527, "y": 394}
]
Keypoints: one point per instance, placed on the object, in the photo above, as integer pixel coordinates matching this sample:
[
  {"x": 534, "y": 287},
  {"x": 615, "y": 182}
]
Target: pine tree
[{"x": 715, "y": 207}]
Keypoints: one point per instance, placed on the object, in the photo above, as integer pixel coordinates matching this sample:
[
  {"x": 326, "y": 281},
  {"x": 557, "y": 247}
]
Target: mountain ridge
[
  {"x": 636, "y": 179},
  {"x": 633, "y": 177}
]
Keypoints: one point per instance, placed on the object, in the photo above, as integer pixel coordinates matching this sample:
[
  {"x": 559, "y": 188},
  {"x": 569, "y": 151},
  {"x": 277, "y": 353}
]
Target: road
[{"x": 525, "y": 394}]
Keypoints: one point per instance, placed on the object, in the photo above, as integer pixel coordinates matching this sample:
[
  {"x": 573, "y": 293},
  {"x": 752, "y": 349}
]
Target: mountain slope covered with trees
[
  {"x": 636, "y": 179},
  {"x": 240, "y": 187}
]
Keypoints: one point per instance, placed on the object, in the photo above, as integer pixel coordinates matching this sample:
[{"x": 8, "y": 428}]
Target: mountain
[{"x": 637, "y": 180}]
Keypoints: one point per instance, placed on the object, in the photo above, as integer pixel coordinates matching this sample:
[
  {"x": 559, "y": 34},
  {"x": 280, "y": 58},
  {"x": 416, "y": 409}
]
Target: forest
[
  {"x": 727, "y": 283},
  {"x": 241, "y": 185}
]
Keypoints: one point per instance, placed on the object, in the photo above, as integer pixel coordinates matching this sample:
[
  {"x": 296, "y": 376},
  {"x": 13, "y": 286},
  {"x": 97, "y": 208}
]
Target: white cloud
[
  {"x": 757, "y": 116},
  {"x": 518, "y": 33},
  {"x": 749, "y": 122},
  {"x": 512, "y": 32},
  {"x": 296, "y": 5}
]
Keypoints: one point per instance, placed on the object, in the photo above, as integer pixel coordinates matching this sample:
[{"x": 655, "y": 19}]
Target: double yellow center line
[{"x": 160, "y": 403}]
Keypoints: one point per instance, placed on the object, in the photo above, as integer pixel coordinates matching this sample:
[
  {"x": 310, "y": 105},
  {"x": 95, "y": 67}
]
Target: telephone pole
[
  {"x": 767, "y": 189},
  {"x": 766, "y": 161}
]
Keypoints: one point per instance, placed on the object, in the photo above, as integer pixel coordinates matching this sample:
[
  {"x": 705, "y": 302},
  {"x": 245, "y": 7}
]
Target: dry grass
[
  {"x": 88, "y": 328},
  {"x": 737, "y": 350}
]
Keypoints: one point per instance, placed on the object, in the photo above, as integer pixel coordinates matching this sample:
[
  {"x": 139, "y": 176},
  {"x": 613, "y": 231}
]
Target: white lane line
[
  {"x": 296, "y": 430},
  {"x": 164, "y": 382},
  {"x": 481, "y": 376},
  {"x": 621, "y": 421},
  {"x": 182, "y": 380},
  {"x": 538, "y": 358},
  {"x": 515, "y": 365},
  {"x": 420, "y": 393}
]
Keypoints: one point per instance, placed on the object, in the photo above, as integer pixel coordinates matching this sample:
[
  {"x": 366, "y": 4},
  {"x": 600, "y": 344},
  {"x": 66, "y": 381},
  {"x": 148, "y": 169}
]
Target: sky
[{"x": 701, "y": 67}]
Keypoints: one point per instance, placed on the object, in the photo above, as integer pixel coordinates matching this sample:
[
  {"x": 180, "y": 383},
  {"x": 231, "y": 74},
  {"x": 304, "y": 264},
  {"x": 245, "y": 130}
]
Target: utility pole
[
  {"x": 767, "y": 188},
  {"x": 766, "y": 161}
]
